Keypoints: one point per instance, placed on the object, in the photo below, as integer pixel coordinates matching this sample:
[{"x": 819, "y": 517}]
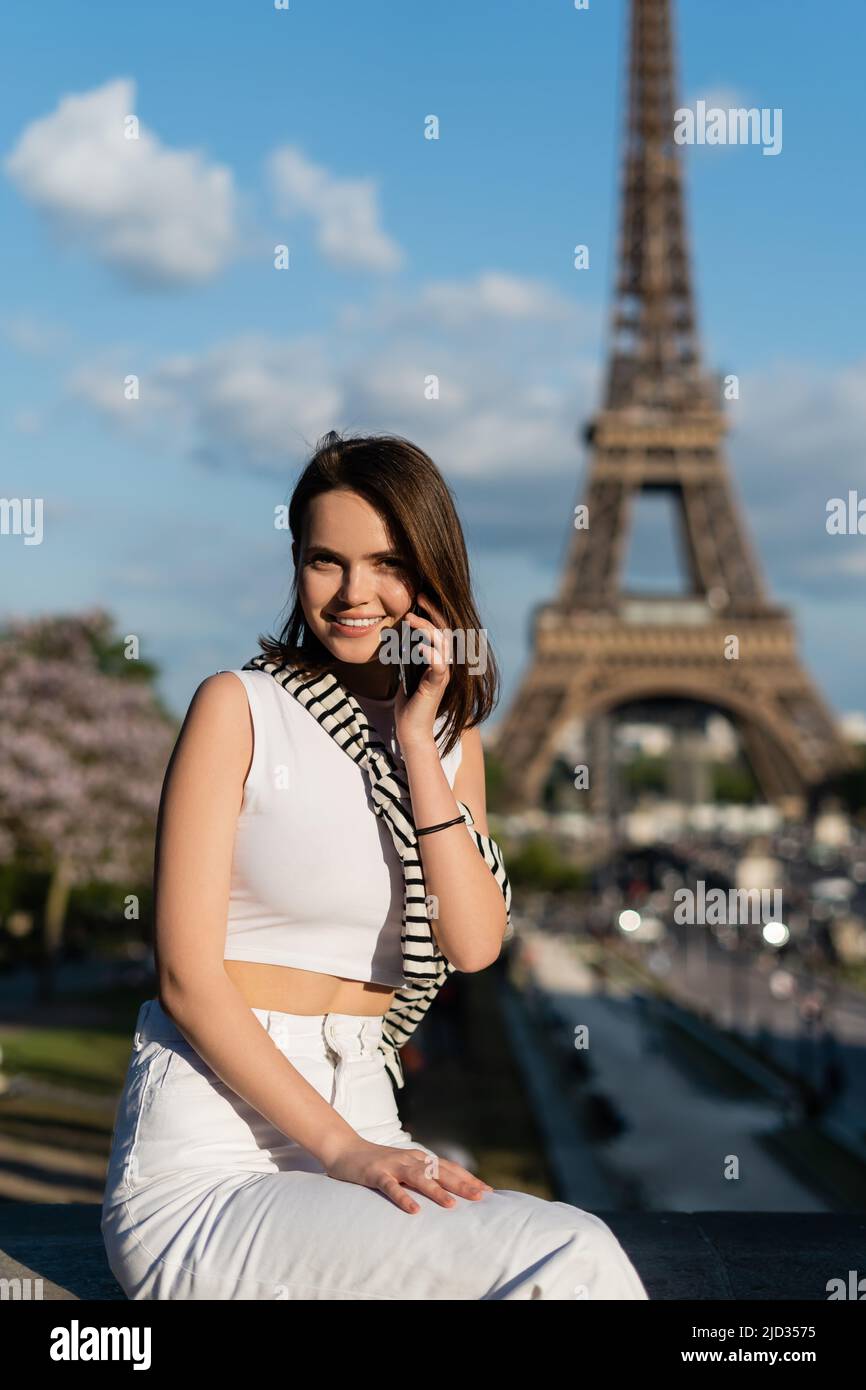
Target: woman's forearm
[
  {"x": 471, "y": 918},
  {"x": 213, "y": 1015}
]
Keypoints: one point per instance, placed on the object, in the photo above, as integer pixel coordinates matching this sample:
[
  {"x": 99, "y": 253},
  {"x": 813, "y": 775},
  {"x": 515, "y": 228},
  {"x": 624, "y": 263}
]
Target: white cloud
[
  {"x": 725, "y": 97},
  {"x": 34, "y": 336},
  {"x": 251, "y": 403},
  {"x": 491, "y": 301},
  {"x": 345, "y": 212},
  {"x": 518, "y": 369},
  {"x": 492, "y": 295},
  {"x": 806, "y": 425},
  {"x": 720, "y": 97},
  {"x": 158, "y": 216},
  {"x": 796, "y": 442},
  {"x": 258, "y": 403}
]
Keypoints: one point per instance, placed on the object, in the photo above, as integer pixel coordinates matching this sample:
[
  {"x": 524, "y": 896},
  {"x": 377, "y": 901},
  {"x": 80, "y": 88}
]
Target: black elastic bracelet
[{"x": 428, "y": 829}]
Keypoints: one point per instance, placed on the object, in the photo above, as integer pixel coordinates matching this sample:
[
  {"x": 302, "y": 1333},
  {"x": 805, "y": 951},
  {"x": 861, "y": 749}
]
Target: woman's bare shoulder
[
  {"x": 218, "y": 720},
  {"x": 221, "y": 686},
  {"x": 218, "y": 697}
]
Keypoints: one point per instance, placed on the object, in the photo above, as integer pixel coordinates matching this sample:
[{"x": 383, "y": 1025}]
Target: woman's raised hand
[{"x": 415, "y": 715}]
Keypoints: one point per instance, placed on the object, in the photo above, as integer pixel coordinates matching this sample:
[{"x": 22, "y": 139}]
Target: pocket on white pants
[{"x": 145, "y": 1066}]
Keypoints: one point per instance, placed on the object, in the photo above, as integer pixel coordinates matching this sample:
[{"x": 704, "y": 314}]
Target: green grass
[
  {"x": 71, "y": 1125},
  {"x": 89, "y": 1052},
  {"x": 90, "y": 1059}
]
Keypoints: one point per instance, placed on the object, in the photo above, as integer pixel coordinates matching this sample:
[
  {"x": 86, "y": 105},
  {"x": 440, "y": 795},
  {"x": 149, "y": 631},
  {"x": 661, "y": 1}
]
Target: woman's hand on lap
[{"x": 392, "y": 1170}]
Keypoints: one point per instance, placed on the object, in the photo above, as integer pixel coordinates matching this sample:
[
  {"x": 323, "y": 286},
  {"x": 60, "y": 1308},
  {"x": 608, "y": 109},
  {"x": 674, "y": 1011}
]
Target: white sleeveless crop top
[{"x": 316, "y": 882}]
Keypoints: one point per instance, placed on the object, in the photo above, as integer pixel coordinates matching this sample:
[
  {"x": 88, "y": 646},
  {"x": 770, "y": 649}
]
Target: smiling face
[{"x": 351, "y": 582}]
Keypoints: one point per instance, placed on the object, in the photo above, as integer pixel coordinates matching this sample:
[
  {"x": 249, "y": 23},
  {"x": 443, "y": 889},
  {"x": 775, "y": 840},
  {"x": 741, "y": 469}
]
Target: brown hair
[{"x": 409, "y": 493}]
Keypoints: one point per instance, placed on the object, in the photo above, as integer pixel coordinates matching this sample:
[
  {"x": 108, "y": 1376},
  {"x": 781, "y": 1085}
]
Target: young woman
[{"x": 258, "y": 1152}]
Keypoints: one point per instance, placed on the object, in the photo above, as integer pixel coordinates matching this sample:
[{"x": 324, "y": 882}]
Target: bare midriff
[{"x": 289, "y": 990}]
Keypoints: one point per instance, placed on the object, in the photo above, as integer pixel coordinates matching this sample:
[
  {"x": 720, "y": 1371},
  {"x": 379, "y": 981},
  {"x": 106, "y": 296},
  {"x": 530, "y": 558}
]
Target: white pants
[{"x": 205, "y": 1199}]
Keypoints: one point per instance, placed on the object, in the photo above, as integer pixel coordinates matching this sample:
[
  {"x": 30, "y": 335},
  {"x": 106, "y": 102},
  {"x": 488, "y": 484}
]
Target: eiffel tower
[{"x": 595, "y": 648}]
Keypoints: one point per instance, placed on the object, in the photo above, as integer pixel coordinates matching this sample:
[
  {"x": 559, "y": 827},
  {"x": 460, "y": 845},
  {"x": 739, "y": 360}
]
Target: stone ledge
[{"x": 679, "y": 1255}]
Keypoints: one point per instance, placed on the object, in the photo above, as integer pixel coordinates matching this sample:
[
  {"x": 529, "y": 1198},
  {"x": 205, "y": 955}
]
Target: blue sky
[{"x": 407, "y": 256}]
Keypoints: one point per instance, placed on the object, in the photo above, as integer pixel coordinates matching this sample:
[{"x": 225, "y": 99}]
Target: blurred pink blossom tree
[{"x": 84, "y": 743}]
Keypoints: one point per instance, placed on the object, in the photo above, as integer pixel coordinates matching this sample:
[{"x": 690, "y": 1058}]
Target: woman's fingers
[
  {"x": 393, "y": 1189},
  {"x": 458, "y": 1180},
  {"x": 433, "y": 653},
  {"x": 464, "y": 1187},
  {"x": 431, "y": 638},
  {"x": 427, "y": 630},
  {"x": 439, "y": 647},
  {"x": 430, "y": 1187},
  {"x": 433, "y": 1176},
  {"x": 441, "y": 1187},
  {"x": 450, "y": 1174},
  {"x": 426, "y": 643}
]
